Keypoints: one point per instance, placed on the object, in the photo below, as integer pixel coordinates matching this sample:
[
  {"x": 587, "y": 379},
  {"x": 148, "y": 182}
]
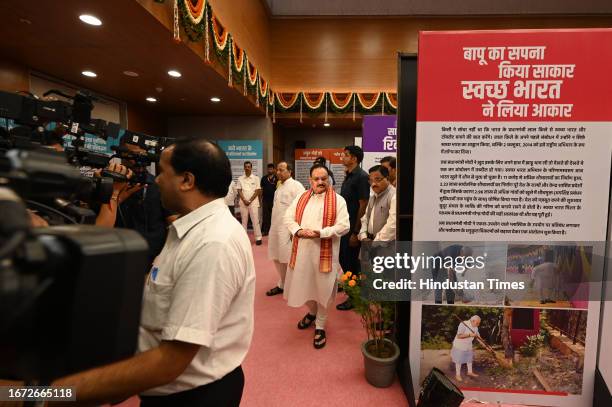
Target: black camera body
[
  {"x": 70, "y": 296},
  {"x": 70, "y": 300}
]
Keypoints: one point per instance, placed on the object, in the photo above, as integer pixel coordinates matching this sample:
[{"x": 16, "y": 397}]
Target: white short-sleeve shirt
[
  {"x": 201, "y": 290},
  {"x": 249, "y": 185}
]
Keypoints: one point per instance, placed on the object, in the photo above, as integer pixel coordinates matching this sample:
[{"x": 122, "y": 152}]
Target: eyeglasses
[
  {"x": 376, "y": 180},
  {"x": 320, "y": 178}
]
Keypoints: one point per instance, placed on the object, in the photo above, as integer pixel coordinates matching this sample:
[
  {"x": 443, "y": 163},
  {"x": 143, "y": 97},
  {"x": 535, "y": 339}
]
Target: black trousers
[
  {"x": 266, "y": 212},
  {"x": 225, "y": 392},
  {"x": 349, "y": 256},
  {"x": 441, "y": 276}
]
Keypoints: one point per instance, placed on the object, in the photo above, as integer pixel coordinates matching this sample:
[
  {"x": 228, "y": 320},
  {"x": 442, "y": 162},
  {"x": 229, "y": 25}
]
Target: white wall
[{"x": 605, "y": 356}]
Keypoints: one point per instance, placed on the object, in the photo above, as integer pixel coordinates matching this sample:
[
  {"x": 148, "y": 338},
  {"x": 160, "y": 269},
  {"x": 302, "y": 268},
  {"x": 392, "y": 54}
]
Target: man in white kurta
[
  {"x": 279, "y": 238},
  {"x": 249, "y": 190},
  {"x": 462, "y": 352},
  {"x": 305, "y": 282}
]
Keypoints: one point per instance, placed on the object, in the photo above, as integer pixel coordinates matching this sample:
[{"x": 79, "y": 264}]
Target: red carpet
[{"x": 283, "y": 369}]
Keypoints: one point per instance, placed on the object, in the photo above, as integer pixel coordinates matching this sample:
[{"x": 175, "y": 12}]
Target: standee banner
[
  {"x": 514, "y": 140},
  {"x": 240, "y": 151},
  {"x": 304, "y": 158},
  {"x": 379, "y": 139}
]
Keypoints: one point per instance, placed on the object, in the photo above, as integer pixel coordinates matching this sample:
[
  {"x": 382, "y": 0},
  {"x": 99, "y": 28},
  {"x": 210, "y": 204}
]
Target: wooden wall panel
[
  {"x": 13, "y": 77},
  {"x": 344, "y": 54},
  {"x": 143, "y": 120},
  {"x": 249, "y": 24}
]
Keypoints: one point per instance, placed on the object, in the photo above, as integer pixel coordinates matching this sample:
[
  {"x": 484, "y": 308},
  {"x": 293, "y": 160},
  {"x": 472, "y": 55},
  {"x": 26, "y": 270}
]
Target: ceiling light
[
  {"x": 215, "y": 99},
  {"x": 326, "y": 124},
  {"x": 174, "y": 74},
  {"x": 131, "y": 73},
  {"x": 89, "y": 74},
  {"x": 89, "y": 19},
  {"x": 151, "y": 99}
]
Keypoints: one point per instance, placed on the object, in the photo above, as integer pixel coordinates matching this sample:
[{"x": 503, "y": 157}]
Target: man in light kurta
[
  {"x": 279, "y": 238},
  {"x": 462, "y": 352},
  {"x": 316, "y": 219}
]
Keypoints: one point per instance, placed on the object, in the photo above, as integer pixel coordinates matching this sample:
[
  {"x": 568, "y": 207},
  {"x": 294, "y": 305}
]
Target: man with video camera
[
  {"x": 138, "y": 205},
  {"x": 197, "y": 315}
]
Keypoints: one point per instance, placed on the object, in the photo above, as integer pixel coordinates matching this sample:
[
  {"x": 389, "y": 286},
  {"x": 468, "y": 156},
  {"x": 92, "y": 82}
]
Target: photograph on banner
[
  {"x": 334, "y": 162},
  {"x": 517, "y": 151},
  {"x": 304, "y": 160},
  {"x": 555, "y": 276},
  {"x": 469, "y": 277},
  {"x": 379, "y": 139},
  {"x": 241, "y": 151},
  {"x": 522, "y": 350}
]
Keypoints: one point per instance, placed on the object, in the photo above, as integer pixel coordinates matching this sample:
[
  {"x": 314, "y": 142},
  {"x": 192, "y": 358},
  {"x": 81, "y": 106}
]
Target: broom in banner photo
[{"x": 502, "y": 361}]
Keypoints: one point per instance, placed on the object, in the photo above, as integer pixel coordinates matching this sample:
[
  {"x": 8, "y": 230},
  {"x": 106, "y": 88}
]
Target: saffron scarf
[{"x": 329, "y": 219}]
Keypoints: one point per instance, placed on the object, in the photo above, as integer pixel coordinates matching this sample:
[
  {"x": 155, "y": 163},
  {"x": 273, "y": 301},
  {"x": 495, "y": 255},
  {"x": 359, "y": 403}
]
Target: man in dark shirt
[
  {"x": 143, "y": 211},
  {"x": 441, "y": 274},
  {"x": 356, "y": 192},
  {"x": 268, "y": 186}
]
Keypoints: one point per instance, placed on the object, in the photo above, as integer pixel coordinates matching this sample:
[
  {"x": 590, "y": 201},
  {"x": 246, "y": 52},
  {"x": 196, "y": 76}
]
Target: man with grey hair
[
  {"x": 279, "y": 238},
  {"x": 462, "y": 352}
]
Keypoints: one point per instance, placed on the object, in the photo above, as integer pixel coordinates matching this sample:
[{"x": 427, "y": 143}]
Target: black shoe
[
  {"x": 258, "y": 242},
  {"x": 274, "y": 291},
  {"x": 345, "y": 306},
  {"x": 319, "y": 339}
]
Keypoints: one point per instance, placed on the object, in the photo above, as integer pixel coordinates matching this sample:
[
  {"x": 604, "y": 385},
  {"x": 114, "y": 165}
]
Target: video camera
[
  {"x": 70, "y": 296},
  {"x": 28, "y": 170}
]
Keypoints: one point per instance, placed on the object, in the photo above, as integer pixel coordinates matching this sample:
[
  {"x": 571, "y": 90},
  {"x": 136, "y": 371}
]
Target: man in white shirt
[
  {"x": 230, "y": 198},
  {"x": 378, "y": 222},
  {"x": 316, "y": 219},
  {"x": 249, "y": 190},
  {"x": 279, "y": 238},
  {"x": 197, "y": 314}
]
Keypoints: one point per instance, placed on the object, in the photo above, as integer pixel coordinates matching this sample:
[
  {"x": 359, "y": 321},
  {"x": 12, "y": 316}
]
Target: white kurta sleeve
[
  {"x": 342, "y": 225},
  {"x": 387, "y": 233},
  {"x": 289, "y": 218},
  {"x": 204, "y": 290},
  {"x": 298, "y": 188},
  {"x": 363, "y": 233}
]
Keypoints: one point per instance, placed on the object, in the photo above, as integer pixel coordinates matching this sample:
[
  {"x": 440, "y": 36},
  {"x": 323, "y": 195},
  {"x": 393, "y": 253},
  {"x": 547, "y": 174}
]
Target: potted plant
[{"x": 380, "y": 353}]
